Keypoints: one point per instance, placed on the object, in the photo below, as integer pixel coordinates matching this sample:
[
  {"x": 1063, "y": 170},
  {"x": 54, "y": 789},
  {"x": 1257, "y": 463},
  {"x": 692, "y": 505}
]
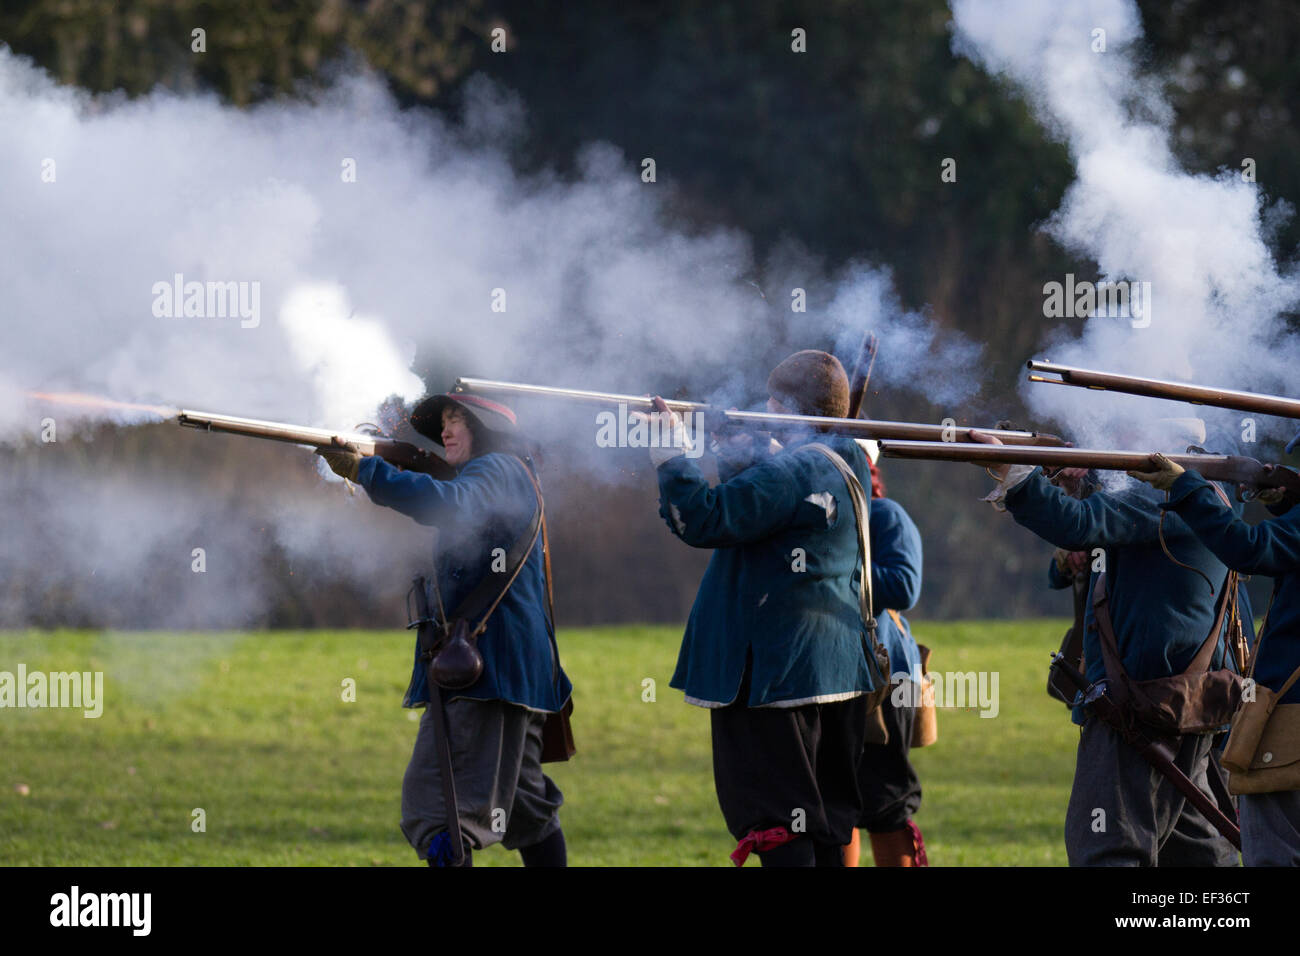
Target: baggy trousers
[
  {"x": 1122, "y": 811},
  {"x": 792, "y": 767},
  {"x": 503, "y": 796},
  {"x": 890, "y": 787},
  {"x": 1270, "y": 828}
]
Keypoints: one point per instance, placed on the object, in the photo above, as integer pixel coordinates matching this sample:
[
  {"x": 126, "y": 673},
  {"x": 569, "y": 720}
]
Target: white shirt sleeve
[{"x": 1016, "y": 474}]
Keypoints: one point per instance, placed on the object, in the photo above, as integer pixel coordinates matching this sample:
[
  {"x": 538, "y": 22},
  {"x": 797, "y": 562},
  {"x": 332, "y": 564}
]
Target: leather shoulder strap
[
  {"x": 861, "y": 505},
  {"x": 1228, "y": 607},
  {"x": 1110, "y": 646},
  {"x": 546, "y": 573},
  {"x": 1201, "y": 662},
  {"x": 1115, "y": 673},
  {"x": 1259, "y": 637}
]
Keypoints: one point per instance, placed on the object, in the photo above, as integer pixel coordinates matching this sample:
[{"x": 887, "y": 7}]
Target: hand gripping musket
[
  {"x": 1154, "y": 751},
  {"x": 1174, "y": 391},
  {"x": 400, "y": 453},
  {"x": 1247, "y": 473},
  {"x": 715, "y": 417}
]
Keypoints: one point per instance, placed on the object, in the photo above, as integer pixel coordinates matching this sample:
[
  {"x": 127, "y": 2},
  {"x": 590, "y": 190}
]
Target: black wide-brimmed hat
[{"x": 495, "y": 417}]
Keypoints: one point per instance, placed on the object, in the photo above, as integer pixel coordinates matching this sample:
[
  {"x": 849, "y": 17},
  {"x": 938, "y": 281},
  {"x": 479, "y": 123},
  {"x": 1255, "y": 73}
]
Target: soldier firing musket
[
  {"x": 889, "y": 783},
  {"x": 487, "y": 668},
  {"x": 783, "y": 645},
  {"x": 1155, "y": 639},
  {"x": 1263, "y": 750}
]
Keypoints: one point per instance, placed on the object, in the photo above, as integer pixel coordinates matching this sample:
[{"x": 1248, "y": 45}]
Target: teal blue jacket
[
  {"x": 486, "y": 506},
  {"x": 895, "y": 582},
  {"x": 1271, "y": 548},
  {"x": 1161, "y": 612},
  {"x": 782, "y": 585}
]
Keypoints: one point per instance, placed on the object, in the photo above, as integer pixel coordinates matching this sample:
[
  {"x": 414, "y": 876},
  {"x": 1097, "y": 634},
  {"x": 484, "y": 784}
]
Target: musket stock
[
  {"x": 1173, "y": 391},
  {"x": 766, "y": 421}
]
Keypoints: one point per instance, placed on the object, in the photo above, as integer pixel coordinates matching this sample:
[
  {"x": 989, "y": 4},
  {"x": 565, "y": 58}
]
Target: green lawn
[{"x": 252, "y": 728}]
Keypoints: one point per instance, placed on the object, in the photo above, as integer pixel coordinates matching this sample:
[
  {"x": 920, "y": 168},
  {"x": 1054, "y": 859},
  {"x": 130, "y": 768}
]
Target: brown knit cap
[{"x": 811, "y": 383}]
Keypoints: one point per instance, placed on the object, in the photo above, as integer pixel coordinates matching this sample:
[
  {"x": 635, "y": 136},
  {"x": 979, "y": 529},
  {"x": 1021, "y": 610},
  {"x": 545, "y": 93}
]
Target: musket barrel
[
  {"x": 570, "y": 394},
  {"x": 1173, "y": 391},
  {"x": 1102, "y": 459},
  {"x": 404, "y": 454},
  {"x": 860, "y": 428},
  {"x": 1233, "y": 469},
  {"x": 272, "y": 431}
]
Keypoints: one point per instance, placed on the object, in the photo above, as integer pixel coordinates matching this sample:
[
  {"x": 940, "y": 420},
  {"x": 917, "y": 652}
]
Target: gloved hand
[
  {"x": 1270, "y": 496},
  {"x": 667, "y": 424},
  {"x": 1007, "y": 476},
  {"x": 1070, "y": 564},
  {"x": 1164, "y": 474},
  {"x": 343, "y": 458}
]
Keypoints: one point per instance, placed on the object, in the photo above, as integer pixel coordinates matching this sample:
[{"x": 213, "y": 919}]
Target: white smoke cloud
[
  {"x": 287, "y": 262},
  {"x": 1217, "y": 294},
  {"x": 345, "y": 355},
  {"x": 434, "y": 230},
  {"x": 910, "y": 344}
]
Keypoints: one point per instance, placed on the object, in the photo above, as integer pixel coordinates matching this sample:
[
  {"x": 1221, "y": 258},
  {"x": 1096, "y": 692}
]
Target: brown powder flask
[{"x": 458, "y": 663}]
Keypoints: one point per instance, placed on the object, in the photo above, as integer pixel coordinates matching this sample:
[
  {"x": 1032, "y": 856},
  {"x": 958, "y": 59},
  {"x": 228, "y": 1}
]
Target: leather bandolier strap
[
  {"x": 489, "y": 592},
  {"x": 861, "y": 512}
]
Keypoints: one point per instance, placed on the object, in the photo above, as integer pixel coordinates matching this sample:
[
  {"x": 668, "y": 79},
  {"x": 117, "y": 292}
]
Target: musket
[
  {"x": 1174, "y": 391},
  {"x": 861, "y": 377},
  {"x": 1155, "y": 752},
  {"x": 858, "y": 428},
  {"x": 400, "y": 453},
  {"x": 1238, "y": 470}
]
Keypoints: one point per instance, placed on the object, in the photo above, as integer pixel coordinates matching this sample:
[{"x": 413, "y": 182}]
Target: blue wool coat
[
  {"x": 1271, "y": 548},
  {"x": 1161, "y": 612},
  {"x": 895, "y": 581},
  {"x": 803, "y": 628},
  {"x": 488, "y": 505}
]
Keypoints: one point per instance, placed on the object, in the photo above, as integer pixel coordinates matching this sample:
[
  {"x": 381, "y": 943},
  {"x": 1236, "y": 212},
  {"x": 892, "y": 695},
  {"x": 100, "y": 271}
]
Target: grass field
[{"x": 252, "y": 728}]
